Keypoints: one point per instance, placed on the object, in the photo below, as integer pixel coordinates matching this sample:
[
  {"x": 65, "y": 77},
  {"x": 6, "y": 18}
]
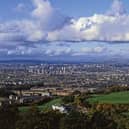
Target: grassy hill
[
  {"x": 43, "y": 107},
  {"x": 112, "y": 98}
]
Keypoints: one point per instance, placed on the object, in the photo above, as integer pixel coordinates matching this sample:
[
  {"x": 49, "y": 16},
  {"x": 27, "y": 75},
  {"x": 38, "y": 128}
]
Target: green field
[
  {"x": 112, "y": 98},
  {"x": 43, "y": 107}
]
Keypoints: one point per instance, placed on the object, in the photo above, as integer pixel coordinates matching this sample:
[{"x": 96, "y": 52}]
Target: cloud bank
[{"x": 47, "y": 24}]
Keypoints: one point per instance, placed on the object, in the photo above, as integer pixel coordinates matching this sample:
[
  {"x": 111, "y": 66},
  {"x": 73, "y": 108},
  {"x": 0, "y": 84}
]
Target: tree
[
  {"x": 33, "y": 119},
  {"x": 100, "y": 120},
  {"x": 8, "y": 117},
  {"x": 50, "y": 120},
  {"x": 29, "y": 120},
  {"x": 74, "y": 120},
  {"x": 68, "y": 99}
]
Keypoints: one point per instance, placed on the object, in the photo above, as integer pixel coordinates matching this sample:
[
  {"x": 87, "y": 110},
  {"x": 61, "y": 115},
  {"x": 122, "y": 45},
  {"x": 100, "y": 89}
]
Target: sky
[{"x": 64, "y": 29}]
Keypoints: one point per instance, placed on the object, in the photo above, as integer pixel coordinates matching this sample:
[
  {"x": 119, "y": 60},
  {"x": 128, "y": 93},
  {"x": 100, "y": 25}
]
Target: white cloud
[
  {"x": 111, "y": 27},
  {"x": 48, "y": 24},
  {"x": 43, "y": 9},
  {"x": 53, "y": 51},
  {"x": 58, "y": 52},
  {"x": 89, "y": 50},
  {"x": 97, "y": 27},
  {"x": 117, "y": 8},
  {"x": 48, "y": 17}
]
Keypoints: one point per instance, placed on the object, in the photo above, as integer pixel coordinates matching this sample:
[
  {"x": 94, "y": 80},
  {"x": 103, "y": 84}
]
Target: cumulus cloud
[
  {"x": 48, "y": 17},
  {"x": 47, "y": 24},
  {"x": 112, "y": 26},
  {"x": 117, "y": 9},
  {"x": 43, "y": 19}
]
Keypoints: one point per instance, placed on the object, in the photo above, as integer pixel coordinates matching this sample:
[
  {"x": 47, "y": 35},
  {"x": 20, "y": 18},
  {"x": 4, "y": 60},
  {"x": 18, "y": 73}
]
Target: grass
[
  {"x": 112, "y": 98},
  {"x": 44, "y": 107}
]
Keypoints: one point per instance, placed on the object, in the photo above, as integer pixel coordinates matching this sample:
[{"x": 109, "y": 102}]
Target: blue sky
[
  {"x": 68, "y": 7},
  {"x": 64, "y": 29},
  {"x": 86, "y": 7}
]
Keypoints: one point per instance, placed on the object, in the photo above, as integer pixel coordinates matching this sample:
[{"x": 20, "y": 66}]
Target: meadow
[
  {"x": 112, "y": 98},
  {"x": 43, "y": 107}
]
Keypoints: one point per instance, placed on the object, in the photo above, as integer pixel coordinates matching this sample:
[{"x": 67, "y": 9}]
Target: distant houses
[
  {"x": 29, "y": 99},
  {"x": 35, "y": 95},
  {"x": 25, "y": 98},
  {"x": 4, "y": 102}
]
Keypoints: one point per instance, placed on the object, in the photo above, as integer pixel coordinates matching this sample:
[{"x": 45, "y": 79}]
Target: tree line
[{"x": 11, "y": 118}]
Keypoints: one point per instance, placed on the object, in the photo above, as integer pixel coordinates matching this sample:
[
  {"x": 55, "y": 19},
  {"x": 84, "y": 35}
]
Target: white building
[
  {"x": 48, "y": 94},
  {"x": 61, "y": 109}
]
